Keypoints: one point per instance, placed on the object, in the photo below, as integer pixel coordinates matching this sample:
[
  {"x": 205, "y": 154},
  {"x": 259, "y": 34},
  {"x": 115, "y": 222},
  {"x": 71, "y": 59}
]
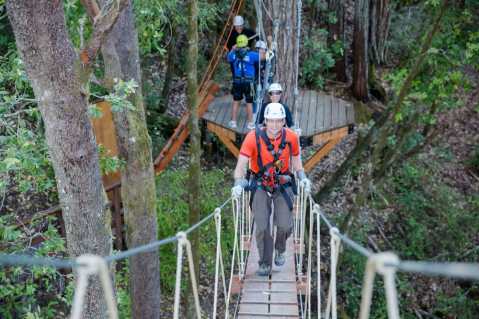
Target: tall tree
[
  {"x": 195, "y": 136},
  {"x": 380, "y": 19},
  {"x": 121, "y": 58},
  {"x": 337, "y": 33},
  {"x": 284, "y": 13},
  {"x": 360, "y": 50},
  {"x": 58, "y": 78}
]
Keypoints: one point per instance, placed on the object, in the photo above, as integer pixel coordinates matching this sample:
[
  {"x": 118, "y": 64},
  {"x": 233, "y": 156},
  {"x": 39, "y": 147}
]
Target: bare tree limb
[
  {"x": 102, "y": 24},
  {"x": 92, "y": 8}
]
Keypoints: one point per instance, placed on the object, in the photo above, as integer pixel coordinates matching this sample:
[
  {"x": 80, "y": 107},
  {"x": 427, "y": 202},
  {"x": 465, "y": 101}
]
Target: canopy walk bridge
[{"x": 287, "y": 291}]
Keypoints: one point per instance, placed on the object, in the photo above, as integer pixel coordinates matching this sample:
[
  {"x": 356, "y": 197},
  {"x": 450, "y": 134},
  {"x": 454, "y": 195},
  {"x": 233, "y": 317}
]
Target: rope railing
[
  {"x": 88, "y": 265},
  {"x": 386, "y": 264}
]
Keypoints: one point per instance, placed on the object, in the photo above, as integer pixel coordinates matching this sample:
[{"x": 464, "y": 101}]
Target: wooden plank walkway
[
  {"x": 317, "y": 113},
  {"x": 269, "y": 297}
]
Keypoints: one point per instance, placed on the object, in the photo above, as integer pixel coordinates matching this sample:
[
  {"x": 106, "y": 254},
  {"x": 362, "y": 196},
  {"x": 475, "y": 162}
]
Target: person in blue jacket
[
  {"x": 243, "y": 61},
  {"x": 275, "y": 92}
]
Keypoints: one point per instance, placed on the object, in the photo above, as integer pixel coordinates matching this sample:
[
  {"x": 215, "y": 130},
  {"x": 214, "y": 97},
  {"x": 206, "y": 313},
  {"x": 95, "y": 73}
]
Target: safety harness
[
  {"x": 239, "y": 64},
  {"x": 269, "y": 176}
]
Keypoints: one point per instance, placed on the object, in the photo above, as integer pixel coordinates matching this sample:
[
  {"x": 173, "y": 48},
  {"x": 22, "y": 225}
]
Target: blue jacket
[{"x": 243, "y": 61}]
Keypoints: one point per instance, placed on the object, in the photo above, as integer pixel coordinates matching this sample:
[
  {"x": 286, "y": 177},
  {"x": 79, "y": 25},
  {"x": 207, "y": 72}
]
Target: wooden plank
[
  {"x": 350, "y": 113},
  {"x": 319, "y": 114},
  {"x": 329, "y": 113},
  {"x": 227, "y": 112},
  {"x": 312, "y": 112},
  {"x": 105, "y": 134},
  {"x": 218, "y": 129},
  {"x": 302, "y": 112},
  {"x": 228, "y": 143},
  {"x": 320, "y": 153},
  {"x": 335, "y": 111},
  {"x": 342, "y": 113},
  {"x": 326, "y": 136}
]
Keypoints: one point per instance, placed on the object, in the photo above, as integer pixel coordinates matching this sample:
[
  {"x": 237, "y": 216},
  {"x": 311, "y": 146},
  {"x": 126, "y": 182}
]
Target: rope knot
[
  {"x": 90, "y": 264},
  {"x": 181, "y": 237},
  {"x": 386, "y": 262}
]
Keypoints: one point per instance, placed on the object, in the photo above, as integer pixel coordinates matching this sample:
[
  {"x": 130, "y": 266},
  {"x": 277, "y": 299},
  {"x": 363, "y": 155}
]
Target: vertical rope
[
  {"x": 299, "y": 8},
  {"x": 331, "y": 307},
  {"x": 310, "y": 259},
  {"x": 235, "y": 208},
  {"x": 318, "y": 255},
  {"x": 179, "y": 266},
  {"x": 218, "y": 254},
  {"x": 192, "y": 276},
  {"x": 92, "y": 265}
]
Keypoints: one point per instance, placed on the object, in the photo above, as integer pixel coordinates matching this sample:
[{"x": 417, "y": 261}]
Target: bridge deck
[
  {"x": 317, "y": 113},
  {"x": 270, "y": 297}
]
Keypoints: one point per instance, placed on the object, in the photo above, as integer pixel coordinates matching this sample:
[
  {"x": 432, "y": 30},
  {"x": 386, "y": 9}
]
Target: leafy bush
[
  {"x": 319, "y": 60},
  {"x": 36, "y": 292},
  {"x": 172, "y": 210}
]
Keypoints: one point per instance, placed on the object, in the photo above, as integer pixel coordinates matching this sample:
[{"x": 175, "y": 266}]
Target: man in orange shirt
[{"x": 269, "y": 151}]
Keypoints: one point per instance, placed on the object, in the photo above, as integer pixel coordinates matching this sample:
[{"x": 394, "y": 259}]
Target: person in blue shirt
[
  {"x": 243, "y": 61},
  {"x": 275, "y": 91}
]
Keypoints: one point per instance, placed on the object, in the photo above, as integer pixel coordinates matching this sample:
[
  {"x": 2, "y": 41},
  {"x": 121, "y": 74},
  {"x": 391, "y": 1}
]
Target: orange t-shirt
[{"x": 248, "y": 149}]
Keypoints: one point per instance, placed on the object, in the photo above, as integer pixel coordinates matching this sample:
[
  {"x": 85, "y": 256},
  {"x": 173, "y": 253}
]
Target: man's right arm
[{"x": 241, "y": 166}]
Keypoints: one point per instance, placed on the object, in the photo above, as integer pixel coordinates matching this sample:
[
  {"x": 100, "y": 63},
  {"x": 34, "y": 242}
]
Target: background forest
[{"x": 406, "y": 180}]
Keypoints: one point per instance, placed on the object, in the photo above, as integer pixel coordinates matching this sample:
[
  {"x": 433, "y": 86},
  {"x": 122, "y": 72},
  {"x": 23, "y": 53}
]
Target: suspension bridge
[{"x": 286, "y": 293}]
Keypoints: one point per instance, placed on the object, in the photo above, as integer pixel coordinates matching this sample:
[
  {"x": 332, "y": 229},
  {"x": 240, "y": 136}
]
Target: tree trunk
[
  {"x": 336, "y": 33},
  {"x": 285, "y": 12},
  {"x": 53, "y": 69},
  {"x": 380, "y": 20},
  {"x": 195, "y": 140},
  {"x": 360, "y": 50},
  {"x": 138, "y": 192}
]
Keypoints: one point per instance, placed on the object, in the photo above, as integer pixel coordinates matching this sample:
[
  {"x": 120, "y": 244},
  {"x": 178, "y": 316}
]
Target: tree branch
[
  {"x": 91, "y": 8},
  {"x": 102, "y": 24}
]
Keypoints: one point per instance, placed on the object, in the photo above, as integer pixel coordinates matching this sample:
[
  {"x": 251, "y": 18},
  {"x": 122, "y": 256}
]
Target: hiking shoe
[
  {"x": 250, "y": 126},
  {"x": 263, "y": 270},
  {"x": 279, "y": 259},
  {"x": 232, "y": 124}
]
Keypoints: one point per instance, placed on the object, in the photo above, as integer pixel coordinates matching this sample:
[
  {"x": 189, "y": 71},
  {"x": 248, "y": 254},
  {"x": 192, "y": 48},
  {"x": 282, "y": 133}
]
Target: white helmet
[
  {"x": 275, "y": 87},
  {"x": 238, "y": 21},
  {"x": 274, "y": 111},
  {"x": 260, "y": 45}
]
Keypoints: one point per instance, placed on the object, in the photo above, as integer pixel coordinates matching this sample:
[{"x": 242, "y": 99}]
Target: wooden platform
[
  {"x": 269, "y": 297},
  {"x": 323, "y": 119},
  {"x": 317, "y": 113}
]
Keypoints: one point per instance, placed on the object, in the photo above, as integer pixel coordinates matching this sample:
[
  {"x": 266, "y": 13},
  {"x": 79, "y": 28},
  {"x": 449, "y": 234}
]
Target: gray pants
[{"x": 283, "y": 219}]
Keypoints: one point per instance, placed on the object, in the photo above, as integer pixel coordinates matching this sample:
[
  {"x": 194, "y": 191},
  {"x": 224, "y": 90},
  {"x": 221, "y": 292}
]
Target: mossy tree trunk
[
  {"x": 194, "y": 199},
  {"x": 57, "y": 75},
  {"x": 138, "y": 191},
  {"x": 285, "y": 13},
  {"x": 360, "y": 50}
]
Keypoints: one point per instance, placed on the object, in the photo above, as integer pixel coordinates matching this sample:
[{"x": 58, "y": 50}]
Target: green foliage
[
  {"x": 119, "y": 97},
  {"x": 321, "y": 58},
  {"x": 157, "y": 20},
  {"x": 473, "y": 161},
  {"x": 108, "y": 163},
  {"x": 24, "y": 160},
  {"x": 173, "y": 217},
  {"x": 35, "y": 292}
]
